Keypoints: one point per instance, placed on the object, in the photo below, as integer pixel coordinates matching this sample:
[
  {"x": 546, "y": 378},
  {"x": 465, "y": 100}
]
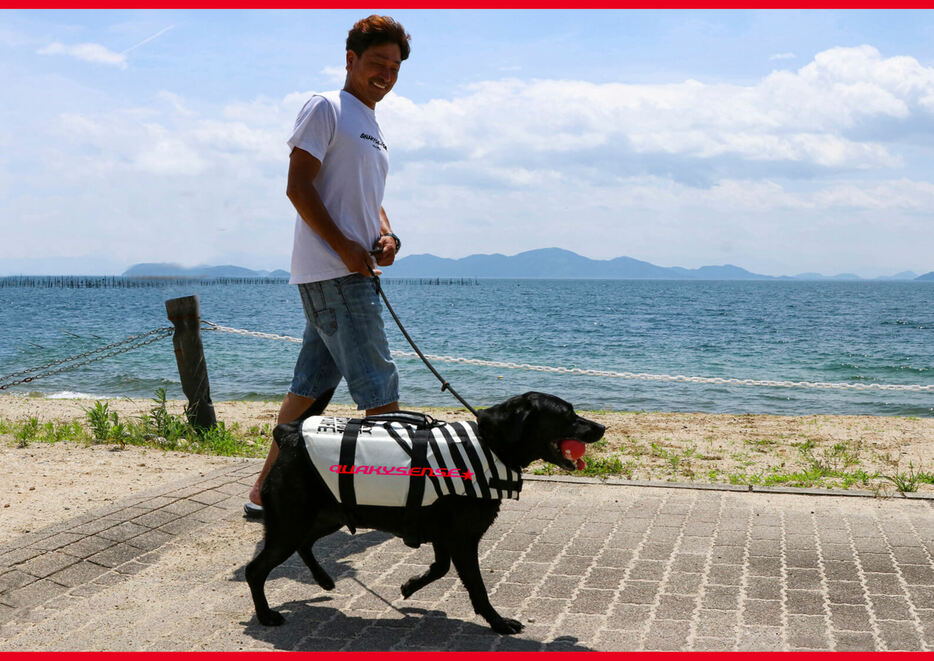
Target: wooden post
[{"x": 185, "y": 314}]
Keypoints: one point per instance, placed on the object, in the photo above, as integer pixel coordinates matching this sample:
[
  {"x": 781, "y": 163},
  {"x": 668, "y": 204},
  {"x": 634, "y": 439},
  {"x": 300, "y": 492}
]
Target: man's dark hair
[{"x": 375, "y": 30}]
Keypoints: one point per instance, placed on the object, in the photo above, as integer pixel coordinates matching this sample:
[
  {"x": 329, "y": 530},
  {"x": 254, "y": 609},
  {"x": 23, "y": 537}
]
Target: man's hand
[
  {"x": 387, "y": 250},
  {"x": 357, "y": 259}
]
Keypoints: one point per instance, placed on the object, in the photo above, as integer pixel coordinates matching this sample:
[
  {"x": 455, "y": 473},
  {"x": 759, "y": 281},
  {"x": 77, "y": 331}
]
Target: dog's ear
[{"x": 501, "y": 426}]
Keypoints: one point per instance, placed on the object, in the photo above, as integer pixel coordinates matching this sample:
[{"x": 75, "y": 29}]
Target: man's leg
[
  {"x": 292, "y": 407},
  {"x": 349, "y": 343}
]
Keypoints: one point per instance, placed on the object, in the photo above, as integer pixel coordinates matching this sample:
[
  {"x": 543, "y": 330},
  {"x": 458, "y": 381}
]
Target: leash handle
[
  {"x": 414, "y": 418},
  {"x": 444, "y": 384}
]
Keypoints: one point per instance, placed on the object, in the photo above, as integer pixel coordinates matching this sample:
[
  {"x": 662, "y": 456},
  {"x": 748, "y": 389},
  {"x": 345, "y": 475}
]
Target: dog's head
[{"x": 531, "y": 426}]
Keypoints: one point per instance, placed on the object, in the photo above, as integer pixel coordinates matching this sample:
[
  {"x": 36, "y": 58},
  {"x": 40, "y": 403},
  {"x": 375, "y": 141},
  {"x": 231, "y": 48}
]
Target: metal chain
[
  {"x": 613, "y": 375},
  {"x": 129, "y": 344}
]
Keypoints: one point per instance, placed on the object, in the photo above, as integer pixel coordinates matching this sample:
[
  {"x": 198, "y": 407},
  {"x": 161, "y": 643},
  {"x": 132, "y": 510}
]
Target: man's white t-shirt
[{"x": 341, "y": 132}]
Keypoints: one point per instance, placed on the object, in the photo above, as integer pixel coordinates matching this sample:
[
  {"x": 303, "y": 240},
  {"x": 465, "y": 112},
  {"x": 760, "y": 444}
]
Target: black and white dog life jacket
[{"x": 404, "y": 460}]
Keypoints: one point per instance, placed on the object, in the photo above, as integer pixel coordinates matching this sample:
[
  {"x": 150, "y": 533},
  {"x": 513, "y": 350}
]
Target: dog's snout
[{"x": 589, "y": 431}]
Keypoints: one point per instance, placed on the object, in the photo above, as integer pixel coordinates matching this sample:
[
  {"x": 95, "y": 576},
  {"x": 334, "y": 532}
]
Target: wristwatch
[{"x": 394, "y": 238}]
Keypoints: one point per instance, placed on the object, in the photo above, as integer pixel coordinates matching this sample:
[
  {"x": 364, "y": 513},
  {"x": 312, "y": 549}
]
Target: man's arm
[{"x": 303, "y": 168}]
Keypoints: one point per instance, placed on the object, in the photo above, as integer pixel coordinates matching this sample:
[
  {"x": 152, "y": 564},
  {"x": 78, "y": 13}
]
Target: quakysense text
[{"x": 401, "y": 470}]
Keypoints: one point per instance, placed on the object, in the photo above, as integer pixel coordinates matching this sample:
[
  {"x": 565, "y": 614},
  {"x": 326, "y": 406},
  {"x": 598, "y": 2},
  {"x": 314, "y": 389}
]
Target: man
[{"x": 337, "y": 174}]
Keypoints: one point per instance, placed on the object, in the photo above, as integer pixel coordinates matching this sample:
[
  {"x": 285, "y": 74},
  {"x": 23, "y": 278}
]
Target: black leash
[{"x": 444, "y": 384}]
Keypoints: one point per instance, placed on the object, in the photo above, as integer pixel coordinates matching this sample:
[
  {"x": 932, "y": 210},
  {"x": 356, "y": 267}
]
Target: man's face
[{"x": 371, "y": 75}]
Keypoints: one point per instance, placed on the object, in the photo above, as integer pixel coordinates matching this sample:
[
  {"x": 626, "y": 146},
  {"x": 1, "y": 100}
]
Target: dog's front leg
[
  {"x": 438, "y": 568},
  {"x": 466, "y": 562}
]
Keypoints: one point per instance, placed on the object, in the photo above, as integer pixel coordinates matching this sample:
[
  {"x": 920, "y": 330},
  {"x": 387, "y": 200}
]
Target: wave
[
  {"x": 872, "y": 372},
  {"x": 919, "y": 325},
  {"x": 69, "y": 394}
]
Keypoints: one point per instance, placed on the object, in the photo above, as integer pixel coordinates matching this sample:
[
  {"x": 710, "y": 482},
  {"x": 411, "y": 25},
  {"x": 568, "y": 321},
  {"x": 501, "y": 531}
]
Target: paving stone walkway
[{"x": 584, "y": 566}]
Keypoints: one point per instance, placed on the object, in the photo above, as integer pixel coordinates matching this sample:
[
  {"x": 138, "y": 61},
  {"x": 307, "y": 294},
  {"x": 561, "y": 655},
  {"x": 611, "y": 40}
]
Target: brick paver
[{"x": 584, "y": 565}]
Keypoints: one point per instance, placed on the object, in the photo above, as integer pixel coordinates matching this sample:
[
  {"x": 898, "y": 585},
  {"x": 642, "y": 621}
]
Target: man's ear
[{"x": 350, "y": 59}]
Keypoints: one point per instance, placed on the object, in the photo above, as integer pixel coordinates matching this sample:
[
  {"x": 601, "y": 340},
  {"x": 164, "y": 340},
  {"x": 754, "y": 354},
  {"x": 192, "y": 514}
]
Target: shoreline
[
  {"x": 43, "y": 481},
  {"x": 85, "y": 400}
]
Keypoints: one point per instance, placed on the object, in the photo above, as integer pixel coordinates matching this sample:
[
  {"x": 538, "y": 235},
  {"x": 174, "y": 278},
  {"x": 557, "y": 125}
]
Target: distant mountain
[
  {"x": 162, "y": 270},
  {"x": 818, "y": 276},
  {"x": 557, "y": 263},
  {"x": 927, "y": 277},
  {"x": 904, "y": 275}
]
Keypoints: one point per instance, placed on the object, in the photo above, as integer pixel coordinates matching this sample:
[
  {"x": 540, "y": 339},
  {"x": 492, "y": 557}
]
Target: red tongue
[{"x": 574, "y": 450}]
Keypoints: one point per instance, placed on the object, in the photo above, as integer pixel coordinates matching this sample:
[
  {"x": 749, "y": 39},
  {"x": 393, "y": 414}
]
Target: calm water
[{"x": 803, "y": 331}]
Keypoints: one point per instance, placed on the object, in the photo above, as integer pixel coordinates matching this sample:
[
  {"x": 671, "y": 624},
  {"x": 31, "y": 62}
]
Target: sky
[{"x": 781, "y": 141}]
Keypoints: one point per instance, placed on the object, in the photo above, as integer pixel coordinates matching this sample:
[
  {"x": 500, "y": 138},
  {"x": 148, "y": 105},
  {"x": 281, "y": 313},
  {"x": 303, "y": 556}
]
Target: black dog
[{"x": 299, "y": 509}]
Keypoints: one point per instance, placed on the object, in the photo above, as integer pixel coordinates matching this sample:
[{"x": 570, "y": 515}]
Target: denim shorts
[{"x": 344, "y": 337}]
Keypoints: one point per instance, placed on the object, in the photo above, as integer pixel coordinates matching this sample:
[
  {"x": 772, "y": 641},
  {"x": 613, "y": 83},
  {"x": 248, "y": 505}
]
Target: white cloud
[
  {"x": 232, "y": 137},
  {"x": 895, "y": 195},
  {"x": 783, "y": 56},
  {"x": 334, "y": 74},
  {"x": 88, "y": 52},
  {"x": 764, "y": 226},
  {"x": 678, "y": 174},
  {"x": 165, "y": 155},
  {"x": 802, "y": 117}
]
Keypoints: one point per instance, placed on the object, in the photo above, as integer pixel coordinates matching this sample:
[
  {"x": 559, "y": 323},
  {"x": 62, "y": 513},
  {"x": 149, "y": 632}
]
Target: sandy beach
[{"x": 43, "y": 481}]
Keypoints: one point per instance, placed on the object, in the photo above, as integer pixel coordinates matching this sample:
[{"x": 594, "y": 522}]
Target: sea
[{"x": 827, "y": 331}]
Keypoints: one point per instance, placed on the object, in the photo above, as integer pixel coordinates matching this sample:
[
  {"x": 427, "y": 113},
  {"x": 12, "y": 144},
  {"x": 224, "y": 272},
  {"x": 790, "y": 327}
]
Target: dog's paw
[
  {"x": 506, "y": 626},
  {"x": 270, "y": 618},
  {"x": 325, "y": 582},
  {"x": 409, "y": 588}
]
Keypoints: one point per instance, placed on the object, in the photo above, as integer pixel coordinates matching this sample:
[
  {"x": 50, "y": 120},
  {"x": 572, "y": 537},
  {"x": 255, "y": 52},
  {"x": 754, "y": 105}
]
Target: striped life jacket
[{"x": 404, "y": 460}]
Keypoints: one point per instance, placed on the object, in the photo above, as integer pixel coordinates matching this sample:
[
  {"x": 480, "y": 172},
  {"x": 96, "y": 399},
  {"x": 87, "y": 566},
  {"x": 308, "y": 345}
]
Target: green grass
[
  {"x": 811, "y": 465},
  {"x": 907, "y": 482},
  {"x": 678, "y": 461},
  {"x": 833, "y": 467},
  {"x": 606, "y": 466},
  {"x": 156, "y": 429},
  {"x": 27, "y": 432},
  {"x": 763, "y": 445}
]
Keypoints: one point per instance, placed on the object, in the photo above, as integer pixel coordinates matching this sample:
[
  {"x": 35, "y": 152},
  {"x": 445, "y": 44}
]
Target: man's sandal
[{"x": 253, "y": 511}]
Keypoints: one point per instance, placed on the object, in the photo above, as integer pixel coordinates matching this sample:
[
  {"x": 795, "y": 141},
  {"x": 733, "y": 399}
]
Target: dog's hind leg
[
  {"x": 465, "y": 554},
  {"x": 317, "y": 571},
  {"x": 438, "y": 568}
]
